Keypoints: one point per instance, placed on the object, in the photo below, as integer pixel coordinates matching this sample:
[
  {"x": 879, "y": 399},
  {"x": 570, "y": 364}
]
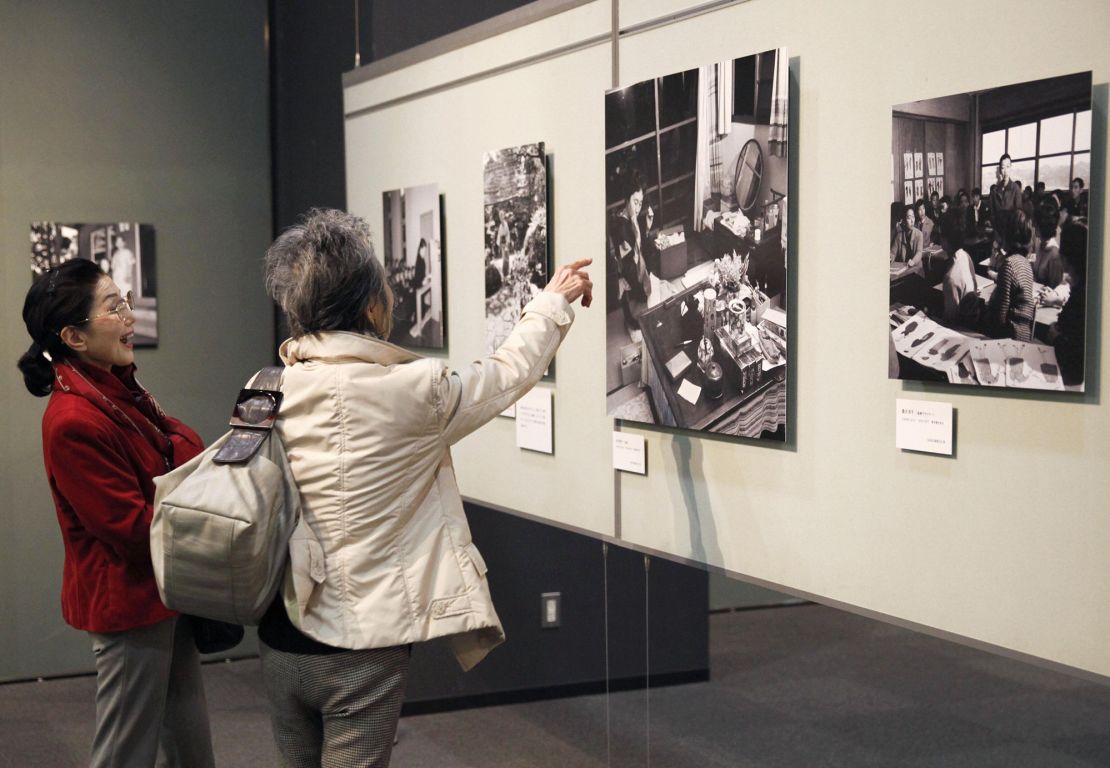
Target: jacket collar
[
  {"x": 117, "y": 394},
  {"x": 343, "y": 347},
  {"x": 90, "y": 381}
]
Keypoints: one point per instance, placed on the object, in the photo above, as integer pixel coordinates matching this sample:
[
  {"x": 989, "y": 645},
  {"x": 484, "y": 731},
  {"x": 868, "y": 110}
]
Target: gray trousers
[
  {"x": 338, "y": 710},
  {"x": 150, "y": 705}
]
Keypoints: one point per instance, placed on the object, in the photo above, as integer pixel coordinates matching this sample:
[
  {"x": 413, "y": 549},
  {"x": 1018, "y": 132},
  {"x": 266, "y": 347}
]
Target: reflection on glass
[
  {"x": 641, "y": 156},
  {"x": 676, "y": 202},
  {"x": 1023, "y": 171},
  {"x": 994, "y": 144},
  {"x": 629, "y": 113},
  {"x": 678, "y": 97},
  {"x": 1022, "y": 140},
  {"x": 1055, "y": 172},
  {"x": 1083, "y": 130},
  {"x": 1082, "y": 167},
  {"x": 990, "y": 175},
  {"x": 743, "y": 79},
  {"x": 1056, "y": 134},
  {"x": 678, "y": 149}
]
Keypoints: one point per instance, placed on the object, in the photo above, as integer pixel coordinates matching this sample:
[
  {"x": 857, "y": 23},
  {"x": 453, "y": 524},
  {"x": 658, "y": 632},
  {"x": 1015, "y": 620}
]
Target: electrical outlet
[{"x": 551, "y": 609}]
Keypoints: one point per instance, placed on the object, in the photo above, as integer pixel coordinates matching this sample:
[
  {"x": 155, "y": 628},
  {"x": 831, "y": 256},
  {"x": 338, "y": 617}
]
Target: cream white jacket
[{"x": 383, "y": 556}]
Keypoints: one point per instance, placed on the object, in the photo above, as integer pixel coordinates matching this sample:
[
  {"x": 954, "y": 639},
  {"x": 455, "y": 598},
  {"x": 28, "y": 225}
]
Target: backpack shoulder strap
[
  {"x": 269, "y": 378},
  {"x": 253, "y": 417}
]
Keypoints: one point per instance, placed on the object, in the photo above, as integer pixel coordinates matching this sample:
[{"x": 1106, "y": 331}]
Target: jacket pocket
[
  {"x": 476, "y": 558},
  {"x": 307, "y": 566}
]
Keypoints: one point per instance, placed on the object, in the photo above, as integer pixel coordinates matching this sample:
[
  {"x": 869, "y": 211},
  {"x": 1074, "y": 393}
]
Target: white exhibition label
[
  {"x": 629, "y": 453},
  {"x": 510, "y": 412},
  {"x": 923, "y": 425},
  {"x": 533, "y": 421}
]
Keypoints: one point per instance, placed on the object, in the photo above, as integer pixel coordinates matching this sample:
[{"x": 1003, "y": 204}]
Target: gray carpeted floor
[{"x": 793, "y": 687}]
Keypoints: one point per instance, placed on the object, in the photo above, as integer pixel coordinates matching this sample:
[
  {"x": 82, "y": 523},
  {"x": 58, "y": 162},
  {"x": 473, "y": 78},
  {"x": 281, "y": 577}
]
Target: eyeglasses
[{"x": 126, "y": 304}]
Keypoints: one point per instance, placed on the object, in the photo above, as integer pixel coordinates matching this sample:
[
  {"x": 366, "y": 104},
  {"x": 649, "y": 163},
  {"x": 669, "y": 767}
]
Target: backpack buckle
[
  {"x": 253, "y": 417},
  {"x": 255, "y": 409}
]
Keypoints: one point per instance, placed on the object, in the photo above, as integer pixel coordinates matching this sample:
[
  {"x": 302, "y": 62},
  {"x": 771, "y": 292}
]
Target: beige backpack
[{"x": 219, "y": 539}]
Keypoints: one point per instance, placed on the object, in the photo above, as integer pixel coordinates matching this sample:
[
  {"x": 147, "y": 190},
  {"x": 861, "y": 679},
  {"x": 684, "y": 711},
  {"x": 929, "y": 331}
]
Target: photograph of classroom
[
  {"x": 988, "y": 235},
  {"x": 696, "y": 167}
]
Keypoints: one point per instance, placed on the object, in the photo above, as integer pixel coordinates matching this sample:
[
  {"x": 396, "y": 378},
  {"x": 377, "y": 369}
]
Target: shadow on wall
[{"x": 704, "y": 546}]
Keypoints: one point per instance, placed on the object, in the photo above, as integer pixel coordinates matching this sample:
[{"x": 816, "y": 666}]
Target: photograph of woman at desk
[
  {"x": 697, "y": 176},
  {"x": 122, "y": 249},
  {"x": 987, "y": 302},
  {"x": 628, "y": 238},
  {"x": 414, "y": 264}
]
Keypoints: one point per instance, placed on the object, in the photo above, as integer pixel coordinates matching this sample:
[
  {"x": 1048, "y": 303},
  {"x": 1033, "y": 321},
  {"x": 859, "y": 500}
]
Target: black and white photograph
[
  {"x": 988, "y": 272},
  {"x": 517, "y": 258},
  {"x": 124, "y": 250},
  {"x": 697, "y": 174},
  {"x": 414, "y": 263}
]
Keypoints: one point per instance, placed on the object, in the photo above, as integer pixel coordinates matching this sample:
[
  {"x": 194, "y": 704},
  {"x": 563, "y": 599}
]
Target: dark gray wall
[
  {"x": 139, "y": 111},
  {"x": 528, "y": 558},
  {"x": 313, "y": 45}
]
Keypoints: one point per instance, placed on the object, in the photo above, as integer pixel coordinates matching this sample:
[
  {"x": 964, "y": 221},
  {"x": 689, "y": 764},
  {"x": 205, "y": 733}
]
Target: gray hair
[{"x": 324, "y": 275}]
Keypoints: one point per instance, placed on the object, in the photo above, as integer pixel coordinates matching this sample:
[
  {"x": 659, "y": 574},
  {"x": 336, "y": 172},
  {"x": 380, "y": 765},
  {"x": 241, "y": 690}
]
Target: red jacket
[{"x": 104, "y": 440}]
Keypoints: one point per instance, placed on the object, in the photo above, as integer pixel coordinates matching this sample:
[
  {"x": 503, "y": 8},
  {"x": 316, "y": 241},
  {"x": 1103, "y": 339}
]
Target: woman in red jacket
[{"x": 104, "y": 441}]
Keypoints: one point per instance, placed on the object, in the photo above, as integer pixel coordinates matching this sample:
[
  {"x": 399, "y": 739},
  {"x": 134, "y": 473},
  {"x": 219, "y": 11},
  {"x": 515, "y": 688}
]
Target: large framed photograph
[
  {"x": 414, "y": 262},
  {"x": 697, "y": 186},
  {"x": 517, "y": 259},
  {"x": 124, "y": 250},
  {"x": 988, "y": 274}
]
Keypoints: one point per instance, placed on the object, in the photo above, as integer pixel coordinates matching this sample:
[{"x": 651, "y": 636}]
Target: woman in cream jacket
[{"x": 383, "y": 558}]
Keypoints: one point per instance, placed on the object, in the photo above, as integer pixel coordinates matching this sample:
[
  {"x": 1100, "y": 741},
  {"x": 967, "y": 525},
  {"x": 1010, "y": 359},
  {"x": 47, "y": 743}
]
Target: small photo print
[
  {"x": 517, "y": 262},
  {"x": 415, "y": 265},
  {"x": 124, "y": 250}
]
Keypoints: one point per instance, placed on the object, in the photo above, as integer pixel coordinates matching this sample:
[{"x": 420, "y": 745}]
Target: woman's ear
[
  {"x": 379, "y": 319},
  {"x": 73, "y": 338}
]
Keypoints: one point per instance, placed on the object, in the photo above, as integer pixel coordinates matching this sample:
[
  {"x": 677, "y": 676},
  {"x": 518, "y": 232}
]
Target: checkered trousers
[{"x": 338, "y": 710}]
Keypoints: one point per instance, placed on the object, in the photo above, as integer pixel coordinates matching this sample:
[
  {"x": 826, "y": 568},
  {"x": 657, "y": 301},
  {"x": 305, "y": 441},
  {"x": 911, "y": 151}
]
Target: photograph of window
[
  {"x": 517, "y": 260},
  {"x": 988, "y": 273},
  {"x": 696, "y": 192},
  {"x": 414, "y": 264},
  {"x": 124, "y": 250}
]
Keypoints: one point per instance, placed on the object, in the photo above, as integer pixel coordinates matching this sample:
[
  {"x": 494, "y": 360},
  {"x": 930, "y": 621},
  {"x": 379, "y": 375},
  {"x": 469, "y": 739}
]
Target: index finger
[{"x": 576, "y": 265}]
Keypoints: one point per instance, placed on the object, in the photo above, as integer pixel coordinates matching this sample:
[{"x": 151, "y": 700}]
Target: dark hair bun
[{"x": 38, "y": 373}]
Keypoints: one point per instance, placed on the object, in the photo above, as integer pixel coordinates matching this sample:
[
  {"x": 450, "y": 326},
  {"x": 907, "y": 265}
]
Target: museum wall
[
  {"x": 1001, "y": 546},
  {"x": 442, "y": 140},
  {"x": 128, "y": 111}
]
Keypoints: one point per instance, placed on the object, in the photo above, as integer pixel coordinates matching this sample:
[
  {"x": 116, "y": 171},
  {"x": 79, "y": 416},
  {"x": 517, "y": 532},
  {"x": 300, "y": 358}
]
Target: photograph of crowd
[
  {"x": 988, "y": 268},
  {"x": 697, "y": 173},
  {"x": 124, "y": 250},
  {"x": 414, "y": 264},
  {"x": 517, "y": 259}
]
